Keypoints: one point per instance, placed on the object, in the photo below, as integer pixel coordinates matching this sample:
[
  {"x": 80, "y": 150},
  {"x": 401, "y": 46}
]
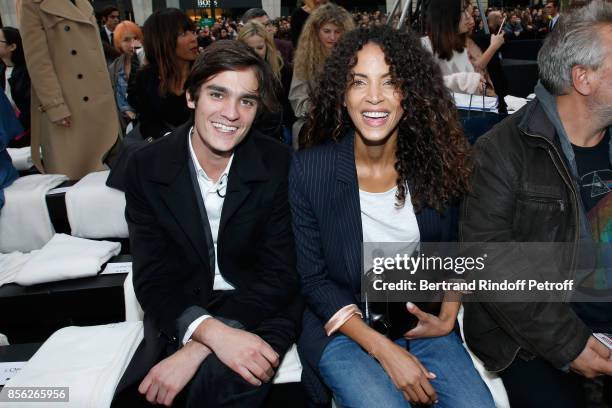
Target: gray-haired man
[{"x": 545, "y": 175}]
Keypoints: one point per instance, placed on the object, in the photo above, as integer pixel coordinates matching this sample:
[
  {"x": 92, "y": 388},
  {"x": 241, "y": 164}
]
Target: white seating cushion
[{"x": 89, "y": 360}]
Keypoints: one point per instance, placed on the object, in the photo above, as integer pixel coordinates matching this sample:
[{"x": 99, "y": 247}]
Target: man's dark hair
[
  {"x": 106, "y": 11},
  {"x": 229, "y": 55},
  {"x": 253, "y": 13},
  {"x": 555, "y": 3}
]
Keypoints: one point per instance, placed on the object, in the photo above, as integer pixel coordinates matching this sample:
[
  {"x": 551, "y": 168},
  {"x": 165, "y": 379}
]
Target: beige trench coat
[{"x": 65, "y": 60}]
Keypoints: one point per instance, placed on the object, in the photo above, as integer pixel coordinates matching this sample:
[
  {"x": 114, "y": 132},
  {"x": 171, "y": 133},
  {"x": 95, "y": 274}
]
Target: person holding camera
[{"x": 385, "y": 159}]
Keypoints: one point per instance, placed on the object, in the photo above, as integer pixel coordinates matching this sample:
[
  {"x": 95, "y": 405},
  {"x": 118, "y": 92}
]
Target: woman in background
[
  {"x": 127, "y": 39},
  {"x": 299, "y": 17},
  {"x": 449, "y": 22},
  {"x": 74, "y": 116},
  {"x": 322, "y": 31},
  {"x": 256, "y": 36},
  {"x": 15, "y": 80},
  {"x": 157, "y": 92}
]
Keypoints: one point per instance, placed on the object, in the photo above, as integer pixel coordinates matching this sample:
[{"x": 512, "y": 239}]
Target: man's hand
[
  {"x": 593, "y": 361},
  {"x": 243, "y": 352},
  {"x": 407, "y": 373},
  {"x": 168, "y": 377}
]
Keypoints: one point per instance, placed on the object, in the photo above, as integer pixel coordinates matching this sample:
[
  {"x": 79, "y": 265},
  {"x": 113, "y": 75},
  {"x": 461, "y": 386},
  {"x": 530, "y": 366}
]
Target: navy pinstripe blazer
[{"x": 326, "y": 216}]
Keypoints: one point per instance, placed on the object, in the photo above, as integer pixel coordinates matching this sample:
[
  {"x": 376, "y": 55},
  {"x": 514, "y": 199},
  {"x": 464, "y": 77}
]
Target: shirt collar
[{"x": 200, "y": 171}]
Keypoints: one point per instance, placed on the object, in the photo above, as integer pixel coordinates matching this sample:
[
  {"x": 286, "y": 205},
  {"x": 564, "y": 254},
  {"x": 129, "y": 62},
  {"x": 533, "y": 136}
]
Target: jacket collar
[
  {"x": 248, "y": 164},
  {"x": 535, "y": 121},
  {"x": 171, "y": 172},
  {"x": 81, "y": 13}
]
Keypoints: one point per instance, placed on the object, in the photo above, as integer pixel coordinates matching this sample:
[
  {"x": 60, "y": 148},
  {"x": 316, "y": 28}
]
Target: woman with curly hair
[
  {"x": 299, "y": 17},
  {"x": 386, "y": 161},
  {"x": 321, "y": 32}
]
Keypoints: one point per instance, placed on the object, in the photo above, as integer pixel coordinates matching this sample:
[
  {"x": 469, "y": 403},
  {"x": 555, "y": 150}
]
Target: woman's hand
[
  {"x": 430, "y": 325},
  {"x": 407, "y": 373},
  {"x": 65, "y": 122},
  {"x": 497, "y": 40}
]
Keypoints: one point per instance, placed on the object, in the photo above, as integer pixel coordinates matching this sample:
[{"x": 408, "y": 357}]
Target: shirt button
[
  {"x": 80, "y": 76},
  {"x": 73, "y": 52},
  {"x": 85, "y": 98},
  {"x": 66, "y": 28},
  {"x": 196, "y": 291}
]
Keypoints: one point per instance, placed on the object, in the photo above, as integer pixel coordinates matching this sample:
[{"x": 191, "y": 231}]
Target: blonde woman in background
[
  {"x": 256, "y": 36},
  {"x": 322, "y": 31}
]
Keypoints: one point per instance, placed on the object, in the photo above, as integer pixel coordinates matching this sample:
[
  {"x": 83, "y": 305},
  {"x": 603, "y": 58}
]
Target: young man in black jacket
[
  {"x": 545, "y": 175},
  {"x": 212, "y": 245}
]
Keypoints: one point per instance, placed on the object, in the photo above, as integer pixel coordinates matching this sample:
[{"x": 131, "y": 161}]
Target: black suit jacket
[
  {"x": 173, "y": 279},
  {"x": 103, "y": 36}
]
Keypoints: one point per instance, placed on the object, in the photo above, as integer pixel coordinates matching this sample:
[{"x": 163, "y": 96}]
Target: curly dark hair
[{"x": 433, "y": 155}]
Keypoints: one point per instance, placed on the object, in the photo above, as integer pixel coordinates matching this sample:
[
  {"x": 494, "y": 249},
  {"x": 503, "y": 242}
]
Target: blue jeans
[{"x": 358, "y": 380}]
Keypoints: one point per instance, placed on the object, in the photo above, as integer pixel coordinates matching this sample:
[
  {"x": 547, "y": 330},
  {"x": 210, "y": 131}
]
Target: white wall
[
  {"x": 142, "y": 10},
  {"x": 272, "y": 7},
  {"x": 8, "y": 10}
]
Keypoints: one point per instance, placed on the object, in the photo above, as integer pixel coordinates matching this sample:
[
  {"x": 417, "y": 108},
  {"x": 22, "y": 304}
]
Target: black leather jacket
[{"x": 522, "y": 191}]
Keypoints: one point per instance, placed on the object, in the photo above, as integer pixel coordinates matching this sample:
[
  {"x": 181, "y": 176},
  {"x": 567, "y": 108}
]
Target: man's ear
[
  {"x": 582, "y": 79},
  {"x": 190, "y": 102}
]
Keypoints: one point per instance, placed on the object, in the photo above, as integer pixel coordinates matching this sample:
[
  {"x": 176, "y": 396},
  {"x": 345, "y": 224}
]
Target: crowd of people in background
[
  {"x": 123, "y": 42},
  {"x": 340, "y": 88}
]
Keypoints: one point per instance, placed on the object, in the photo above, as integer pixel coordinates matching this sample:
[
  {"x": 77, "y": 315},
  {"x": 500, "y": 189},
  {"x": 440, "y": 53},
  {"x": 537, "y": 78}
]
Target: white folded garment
[
  {"x": 514, "y": 102},
  {"x": 11, "y": 264},
  {"x": 25, "y": 224},
  {"x": 133, "y": 311},
  {"x": 96, "y": 210},
  {"x": 66, "y": 257},
  {"x": 21, "y": 157},
  {"x": 88, "y": 360},
  {"x": 475, "y": 102},
  {"x": 290, "y": 369}
]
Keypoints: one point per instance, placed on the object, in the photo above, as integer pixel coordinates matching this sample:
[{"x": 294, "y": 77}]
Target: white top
[
  {"x": 213, "y": 196},
  {"x": 383, "y": 221},
  {"x": 458, "y": 72},
  {"x": 7, "y": 87}
]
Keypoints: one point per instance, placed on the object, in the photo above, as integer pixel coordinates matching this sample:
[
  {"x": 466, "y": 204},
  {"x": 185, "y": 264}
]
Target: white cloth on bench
[
  {"x": 96, "y": 210},
  {"x": 89, "y": 360},
  {"x": 66, "y": 257},
  {"x": 25, "y": 224},
  {"x": 491, "y": 379},
  {"x": 133, "y": 311},
  {"x": 21, "y": 157},
  {"x": 11, "y": 264}
]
